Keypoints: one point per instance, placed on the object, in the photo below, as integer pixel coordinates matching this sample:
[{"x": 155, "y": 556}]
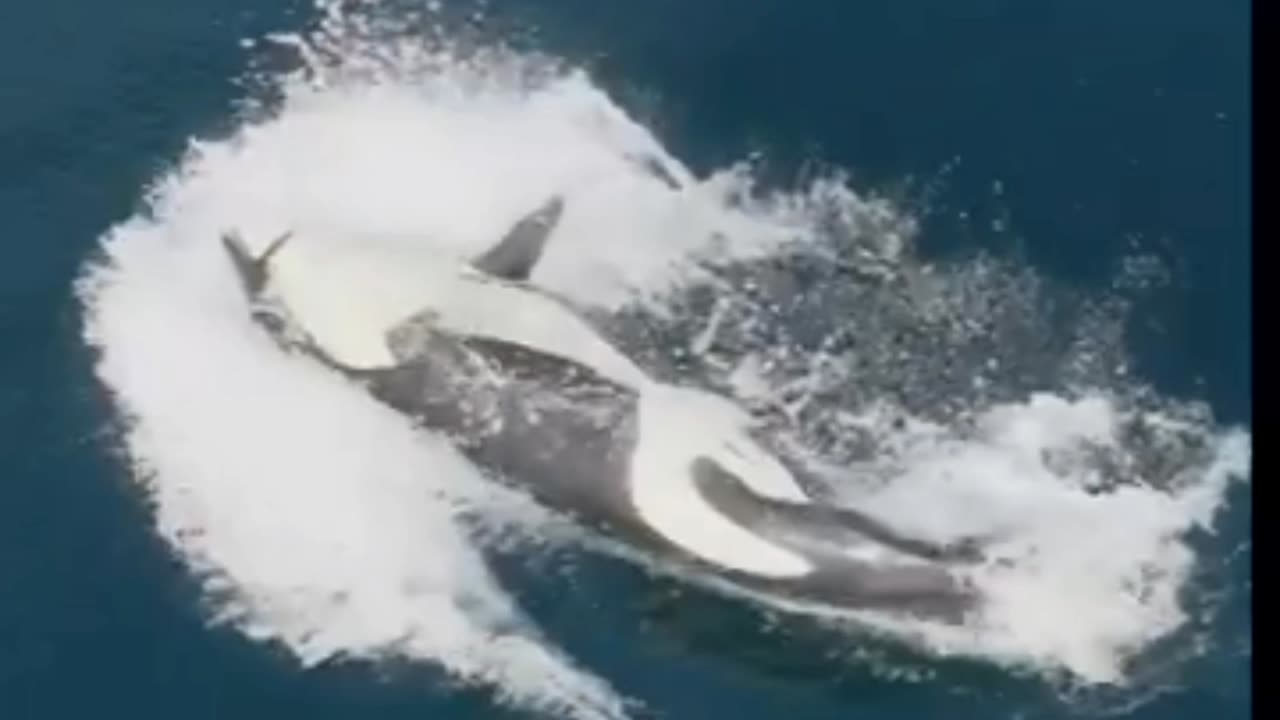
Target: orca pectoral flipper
[
  {"x": 515, "y": 256},
  {"x": 769, "y": 517}
]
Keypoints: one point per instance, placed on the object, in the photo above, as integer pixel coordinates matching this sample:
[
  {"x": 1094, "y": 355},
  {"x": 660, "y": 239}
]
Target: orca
[{"x": 526, "y": 388}]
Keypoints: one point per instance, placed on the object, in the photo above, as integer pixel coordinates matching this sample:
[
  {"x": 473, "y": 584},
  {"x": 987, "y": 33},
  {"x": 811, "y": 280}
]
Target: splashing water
[{"x": 946, "y": 398}]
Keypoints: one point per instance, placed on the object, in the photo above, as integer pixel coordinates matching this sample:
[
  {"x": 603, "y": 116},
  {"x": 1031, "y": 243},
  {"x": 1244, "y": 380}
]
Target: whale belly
[{"x": 348, "y": 298}]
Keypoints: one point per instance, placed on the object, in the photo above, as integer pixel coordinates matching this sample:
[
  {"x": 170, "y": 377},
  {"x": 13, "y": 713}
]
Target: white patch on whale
[
  {"x": 676, "y": 426},
  {"x": 348, "y": 295}
]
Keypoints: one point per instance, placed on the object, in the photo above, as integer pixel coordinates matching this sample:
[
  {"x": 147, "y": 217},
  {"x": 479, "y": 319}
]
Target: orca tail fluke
[
  {"x": 253, "y": 274},
  {"x": 251, "y": 270}
]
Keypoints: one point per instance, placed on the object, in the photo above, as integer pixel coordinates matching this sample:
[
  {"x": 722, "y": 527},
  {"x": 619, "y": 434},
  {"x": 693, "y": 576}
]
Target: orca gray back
[{"x": 543, "y": 422}]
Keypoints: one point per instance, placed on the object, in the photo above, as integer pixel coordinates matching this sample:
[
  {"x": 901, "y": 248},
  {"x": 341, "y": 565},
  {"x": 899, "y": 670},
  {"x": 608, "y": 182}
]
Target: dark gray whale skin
[{"x": 563, "y": 433}]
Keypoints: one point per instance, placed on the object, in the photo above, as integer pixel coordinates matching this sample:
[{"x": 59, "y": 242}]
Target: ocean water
[{"x": 992, "y": 257}]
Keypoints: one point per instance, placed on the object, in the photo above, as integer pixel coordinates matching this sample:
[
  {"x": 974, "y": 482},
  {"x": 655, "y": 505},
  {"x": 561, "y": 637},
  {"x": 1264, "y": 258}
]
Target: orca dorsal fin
[{"x": 514, "y": 257}]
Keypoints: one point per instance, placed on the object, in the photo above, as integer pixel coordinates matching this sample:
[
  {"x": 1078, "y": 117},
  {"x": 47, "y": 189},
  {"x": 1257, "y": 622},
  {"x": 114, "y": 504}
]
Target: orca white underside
[
  {"x": 347, "y": 297},
  {"x": 676, "y": 427}
]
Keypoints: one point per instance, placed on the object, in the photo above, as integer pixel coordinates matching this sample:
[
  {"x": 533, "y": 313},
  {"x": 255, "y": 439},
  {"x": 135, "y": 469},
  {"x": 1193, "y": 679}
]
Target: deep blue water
[{"x": 1100, "y": 120}]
